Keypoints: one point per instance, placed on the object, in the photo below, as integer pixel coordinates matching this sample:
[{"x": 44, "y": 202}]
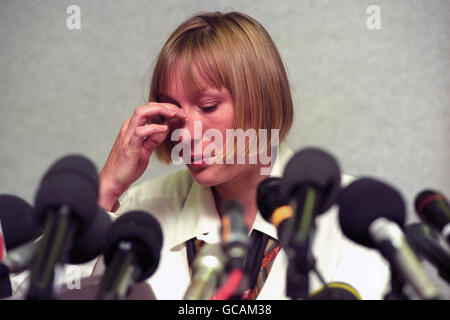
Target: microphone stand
[
  {"x": 301, "y": 259},
  {"x": 53, "y": 250},
  {"x": 397, "y": 285},
  {"x": 120, "y": 276},
  {"x": 301, "y": 263}
]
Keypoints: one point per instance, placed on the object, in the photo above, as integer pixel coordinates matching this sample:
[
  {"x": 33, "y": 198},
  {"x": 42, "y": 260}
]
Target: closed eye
[{"x": 209, "y": 109}]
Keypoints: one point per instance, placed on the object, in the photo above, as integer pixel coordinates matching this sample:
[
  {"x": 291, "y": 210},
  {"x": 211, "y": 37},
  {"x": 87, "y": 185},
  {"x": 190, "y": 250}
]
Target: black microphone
[
  {"x": 336, "y": 291},
  {"x": 91, "y": 242},
  {"x": 372, "y": 214},
  {"x": 311, "y": 181},
  {"x": 16, "y": 227},
  {"x": 86, "y": 245},
  {"x": 5, "y": 283},
  {"x": 270, "y": 196},
  {"x": 133, "y": 248},
  {"x": 16, "y": 218},
  {"x": 425, "y": 241},
  {"x": 65, "y": 205},
  {"x": 433, "y": 209}
]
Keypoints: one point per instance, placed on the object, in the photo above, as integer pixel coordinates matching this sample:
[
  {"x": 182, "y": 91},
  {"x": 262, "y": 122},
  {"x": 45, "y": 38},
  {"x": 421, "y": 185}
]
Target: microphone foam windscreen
[
  {"x": 433, "y": 208},
  {"x": 92, "y": 241},
  {"x": 269, "y": 196},
  {"x": 71, "y": 181},
  {"x": 364, "y": 201},
  {"x": 16, "y": 217},
  {"x": 316, "y": 168},
  {"x": 144, "y": 231},
  {"x": 422, "y": 196}
]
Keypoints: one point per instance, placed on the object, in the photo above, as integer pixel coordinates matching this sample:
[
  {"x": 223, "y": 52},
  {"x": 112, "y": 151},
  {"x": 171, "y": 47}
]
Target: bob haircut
[{"x": 234, "y": 51}]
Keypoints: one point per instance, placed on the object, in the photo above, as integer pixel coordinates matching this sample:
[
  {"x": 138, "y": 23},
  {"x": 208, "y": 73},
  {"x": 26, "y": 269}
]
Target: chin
[{"x": 207, "y": 176}]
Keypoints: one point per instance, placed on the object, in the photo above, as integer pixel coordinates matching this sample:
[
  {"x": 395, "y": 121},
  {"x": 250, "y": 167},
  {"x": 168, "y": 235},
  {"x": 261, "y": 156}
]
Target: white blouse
[{"x": 187, "y": 210}]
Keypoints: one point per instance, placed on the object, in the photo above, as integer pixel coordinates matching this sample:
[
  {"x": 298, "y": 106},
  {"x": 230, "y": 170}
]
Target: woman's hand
[{"x": 131, "y": 152}]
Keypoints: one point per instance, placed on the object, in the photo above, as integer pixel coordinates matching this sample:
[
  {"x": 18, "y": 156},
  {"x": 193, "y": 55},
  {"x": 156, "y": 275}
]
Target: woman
[{"x": 221, "y": 71}]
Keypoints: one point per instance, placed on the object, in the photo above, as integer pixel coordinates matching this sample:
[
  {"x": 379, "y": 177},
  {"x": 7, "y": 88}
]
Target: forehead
[{"x": 189, "y": 76}]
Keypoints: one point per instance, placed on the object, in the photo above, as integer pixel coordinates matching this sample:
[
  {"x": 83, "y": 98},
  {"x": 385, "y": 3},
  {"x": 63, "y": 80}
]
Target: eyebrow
[
  {"x": 195, "y": 94},
  {"x": 162, "y": 96}
]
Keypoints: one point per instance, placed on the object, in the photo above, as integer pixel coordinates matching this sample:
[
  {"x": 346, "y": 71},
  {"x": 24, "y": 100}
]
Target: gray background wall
[{"x": 377, "y": 99}]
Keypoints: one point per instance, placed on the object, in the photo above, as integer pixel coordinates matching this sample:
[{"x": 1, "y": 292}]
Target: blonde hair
[{"x": 234, "y": 51}]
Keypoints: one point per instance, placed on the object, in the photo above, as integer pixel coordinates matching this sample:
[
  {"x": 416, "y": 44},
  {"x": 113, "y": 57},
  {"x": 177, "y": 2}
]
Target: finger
[
  {"x": 170, "y": 106},
  {"x": 141, "y": 114},
  {"x": 179, "y": 113},
  {"x": 174, "y": 111},
  {"x": 143, "y": 132},
  {"x": 151, "y": 142}
]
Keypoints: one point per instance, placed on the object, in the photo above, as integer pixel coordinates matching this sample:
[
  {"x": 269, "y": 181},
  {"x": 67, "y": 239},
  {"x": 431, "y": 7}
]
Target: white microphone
[
  {"x": 19, "y": 259},
  {"x": 206, "y": 270},
  {"x": 371, "y": 213},
  {"x": 392, "y": 244}
]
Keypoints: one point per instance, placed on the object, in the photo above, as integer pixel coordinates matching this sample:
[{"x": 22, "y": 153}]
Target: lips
[{"x": 199, "y": 160}]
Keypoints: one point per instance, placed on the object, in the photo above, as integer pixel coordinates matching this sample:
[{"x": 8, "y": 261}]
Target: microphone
[
  {"x": 425, "y": 242},
  {"x": 133, "y": 248},
  {"x": 235, "y": 244},
  {"x": 434, "y": 210},
  {"x": 16, "y": 218},
  {"x": 336, "y": 291},
  {"x": 5, "y": 283},
  {"x": 86, "y": 246},
  {"x": 2, "y": 244},
  {"x": 92, "y": 241},
  {"x": 270, "y": 195},
  {"x": 311, "y": 181},
  {"x": 311, "y": 185},
  {"x": 235, "y": 239},
  {"x": 16, "y": 227},
  {"x": 371, "y": 213},
  {"x": 20, "y": 258},
  {"x": 206, "y": 269},
  {"x": 65, "y": 205}
]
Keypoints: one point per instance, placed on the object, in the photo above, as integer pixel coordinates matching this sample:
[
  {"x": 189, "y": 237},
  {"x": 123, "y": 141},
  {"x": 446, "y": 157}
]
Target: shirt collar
[{"x": 199, "y": 217}]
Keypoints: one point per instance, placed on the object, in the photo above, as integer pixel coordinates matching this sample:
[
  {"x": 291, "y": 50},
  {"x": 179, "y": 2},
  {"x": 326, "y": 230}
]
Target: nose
[{"x": 192, "y": 127}]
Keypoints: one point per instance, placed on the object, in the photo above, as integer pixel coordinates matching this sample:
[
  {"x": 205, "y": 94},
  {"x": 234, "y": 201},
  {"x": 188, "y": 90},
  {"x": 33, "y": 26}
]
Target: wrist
[
  {"x": 108, "y": 204},
  {"x": 109, "y": 195}
]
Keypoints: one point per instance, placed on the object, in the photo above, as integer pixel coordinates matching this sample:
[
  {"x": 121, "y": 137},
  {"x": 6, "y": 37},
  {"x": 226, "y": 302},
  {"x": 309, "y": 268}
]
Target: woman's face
[{"x": 213, "y": 108}]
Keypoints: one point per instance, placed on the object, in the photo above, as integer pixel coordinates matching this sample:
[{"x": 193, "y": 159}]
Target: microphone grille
[
  {"x": 144, "y": 230},
  {"x": 16, "y": 217},
  {"x": 364, "y": 201},
  {"x": 317, "y": 168},
  {"x": 270, "y": 196},
  {"x": 71, "y": 181}
]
